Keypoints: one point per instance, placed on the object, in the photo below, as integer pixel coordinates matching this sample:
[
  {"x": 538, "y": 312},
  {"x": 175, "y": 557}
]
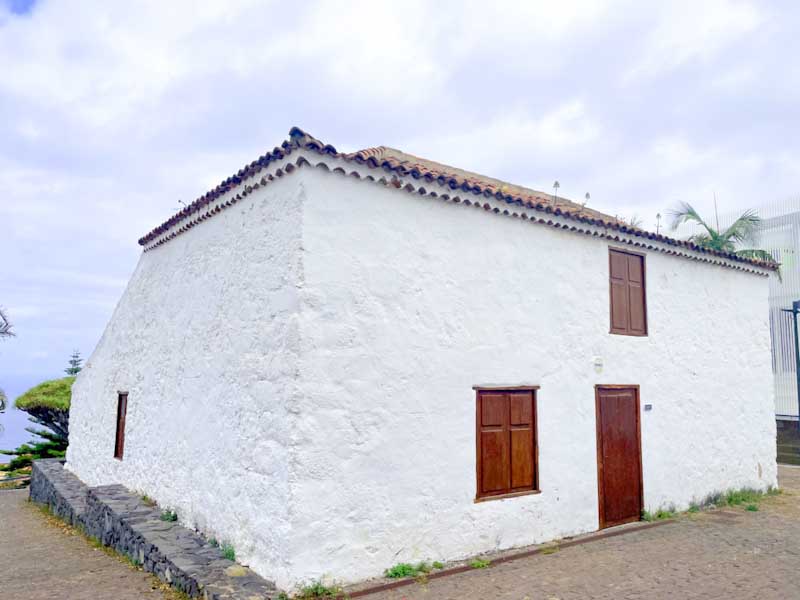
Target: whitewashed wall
[
  {"x": 205, "y": 341},
  {"x": 300, "y": 370},
  {"x": 408, "y": 302}
]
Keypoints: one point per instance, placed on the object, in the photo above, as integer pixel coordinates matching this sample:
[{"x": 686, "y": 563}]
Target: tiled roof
[
  {"x": 406, "y": 165},
  {"x": 384, "y": 155}
]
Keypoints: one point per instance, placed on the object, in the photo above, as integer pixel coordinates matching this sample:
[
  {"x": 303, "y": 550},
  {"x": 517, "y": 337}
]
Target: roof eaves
[{"x": 299, "y": 139}]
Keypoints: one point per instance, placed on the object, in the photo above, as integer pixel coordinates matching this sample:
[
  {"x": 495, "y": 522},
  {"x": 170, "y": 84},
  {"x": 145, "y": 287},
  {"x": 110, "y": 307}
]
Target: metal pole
[{"x": 795, "y": 310}]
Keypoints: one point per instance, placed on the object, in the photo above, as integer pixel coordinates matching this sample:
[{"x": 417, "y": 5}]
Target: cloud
[
  {"x": 114, "y": 111},
  {"x": 516, "y": 144},
  {"x": 688, "y": 31}
]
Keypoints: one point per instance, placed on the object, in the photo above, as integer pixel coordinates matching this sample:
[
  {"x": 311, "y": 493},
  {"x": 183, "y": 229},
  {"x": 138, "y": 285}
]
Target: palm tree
[{"x": 741, "y": 231}]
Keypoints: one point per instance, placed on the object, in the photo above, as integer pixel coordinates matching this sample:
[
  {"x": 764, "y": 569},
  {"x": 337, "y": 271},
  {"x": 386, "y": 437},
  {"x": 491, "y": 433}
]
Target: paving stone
[
  {"x": 41, "y": 562},
  {"x": 705, "y": 556}
]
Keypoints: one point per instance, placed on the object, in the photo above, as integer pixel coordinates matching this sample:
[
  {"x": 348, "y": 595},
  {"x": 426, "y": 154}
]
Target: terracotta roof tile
[
  {"x": 405, "y": 165},
  {"x": 421, "y": 167}
]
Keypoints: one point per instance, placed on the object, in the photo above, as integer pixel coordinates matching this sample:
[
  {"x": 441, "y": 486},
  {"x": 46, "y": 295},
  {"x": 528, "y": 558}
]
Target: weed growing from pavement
[
  {"x": 478, "y": 563},
  {"x": 401, "y": 570},
  {"x": 228, "y": 552},
  {"x": 315, "y": 589},
  {"x": 169, "y": 516}
]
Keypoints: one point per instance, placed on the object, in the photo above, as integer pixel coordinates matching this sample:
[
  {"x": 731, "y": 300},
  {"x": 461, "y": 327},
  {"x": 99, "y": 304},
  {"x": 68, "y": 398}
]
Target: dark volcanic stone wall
[{"x": 122, "y": 520}]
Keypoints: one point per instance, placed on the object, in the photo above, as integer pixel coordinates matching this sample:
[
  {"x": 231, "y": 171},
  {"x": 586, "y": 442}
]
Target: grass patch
[
  {"x": 148, "y": 501},
  {"x": 478, "y": 563},
  {"x": 437, "y": 565},
  {"x": 742, "y": 496},
  {"x": 549, "y": 550},
  {"x": 228, "y": 552},
  {"x": 169, "y": 515},
  {"x": 751, "y": 507}
]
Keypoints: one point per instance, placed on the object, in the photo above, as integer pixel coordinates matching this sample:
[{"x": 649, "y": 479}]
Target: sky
[{"x": 114, "y": 112}]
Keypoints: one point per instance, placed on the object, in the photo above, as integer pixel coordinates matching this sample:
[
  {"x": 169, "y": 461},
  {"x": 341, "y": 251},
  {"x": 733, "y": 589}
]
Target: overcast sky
[{"x": 113, "y": 111}]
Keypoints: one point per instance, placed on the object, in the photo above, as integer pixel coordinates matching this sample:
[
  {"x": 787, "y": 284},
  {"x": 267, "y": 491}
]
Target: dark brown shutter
[
  {"x": 122, "y": 410},
  {"x": 494, "y": 443},
  {"x": 506, "y": 442},
  {"x": 627, "y": 283},
  {"x": 521, "y": 427}
]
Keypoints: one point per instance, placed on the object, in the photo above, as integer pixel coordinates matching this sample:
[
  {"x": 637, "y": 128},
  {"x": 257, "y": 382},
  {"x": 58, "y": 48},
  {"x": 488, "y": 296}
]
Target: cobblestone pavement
[
  {"x": 730, "y": 553},
  {"x": 41, "y": 559}
]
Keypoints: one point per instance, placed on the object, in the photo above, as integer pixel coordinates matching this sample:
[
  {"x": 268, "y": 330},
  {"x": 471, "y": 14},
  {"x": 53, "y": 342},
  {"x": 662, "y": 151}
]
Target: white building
[{"x": 338, "y": 362}]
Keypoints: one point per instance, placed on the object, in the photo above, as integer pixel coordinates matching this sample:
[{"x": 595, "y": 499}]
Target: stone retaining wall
[{"x": 122, "y": 520}]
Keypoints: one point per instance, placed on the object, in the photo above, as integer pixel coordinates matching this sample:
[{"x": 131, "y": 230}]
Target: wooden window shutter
[
  {"x": 122, "y": 410},
  {"x": 628, "y": 293},
  {"x": 506, "y": 442}
]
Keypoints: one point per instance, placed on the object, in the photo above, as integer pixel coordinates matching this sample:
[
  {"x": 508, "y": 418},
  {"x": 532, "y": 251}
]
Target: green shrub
[
  {"x": 438, "y": 565},
  {"x": 751, "y": 507},
  {"x": 169, "y": 516}
]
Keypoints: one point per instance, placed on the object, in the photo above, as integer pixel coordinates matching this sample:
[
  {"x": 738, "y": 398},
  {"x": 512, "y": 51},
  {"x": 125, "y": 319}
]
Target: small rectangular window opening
[{"x": 122, "y": 409}]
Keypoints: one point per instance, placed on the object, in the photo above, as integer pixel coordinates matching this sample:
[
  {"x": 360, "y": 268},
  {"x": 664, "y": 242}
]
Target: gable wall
[
  {"x": 205, "y": 341},
  {"x": 408, "y": 302}
]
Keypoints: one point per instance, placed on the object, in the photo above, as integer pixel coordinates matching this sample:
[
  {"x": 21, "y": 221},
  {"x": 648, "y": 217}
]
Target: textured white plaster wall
[
  {"x": 408, "y": 302},
  {"x": 205, "y": 340}
]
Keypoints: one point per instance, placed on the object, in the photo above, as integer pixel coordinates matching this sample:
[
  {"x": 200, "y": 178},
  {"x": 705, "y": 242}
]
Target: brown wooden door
[{"x": 619, "y": 454}]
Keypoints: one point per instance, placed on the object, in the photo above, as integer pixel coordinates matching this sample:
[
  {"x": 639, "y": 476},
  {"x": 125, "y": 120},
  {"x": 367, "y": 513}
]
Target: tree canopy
[
  {"x": 54, "y": 395},
  {"x": 75, "y": 363}
]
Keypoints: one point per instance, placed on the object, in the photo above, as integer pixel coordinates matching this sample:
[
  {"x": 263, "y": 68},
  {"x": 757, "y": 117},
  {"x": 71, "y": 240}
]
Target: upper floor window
[{"x": 628, "y": 295}]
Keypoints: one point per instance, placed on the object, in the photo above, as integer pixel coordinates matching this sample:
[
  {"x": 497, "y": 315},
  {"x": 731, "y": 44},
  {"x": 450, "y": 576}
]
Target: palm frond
[
  {"x": 701, "y": 239},
  {"x": 758, "y": 254},
  {"x": 744, "y": 227},
  {"x": 686, "y": 213}
]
